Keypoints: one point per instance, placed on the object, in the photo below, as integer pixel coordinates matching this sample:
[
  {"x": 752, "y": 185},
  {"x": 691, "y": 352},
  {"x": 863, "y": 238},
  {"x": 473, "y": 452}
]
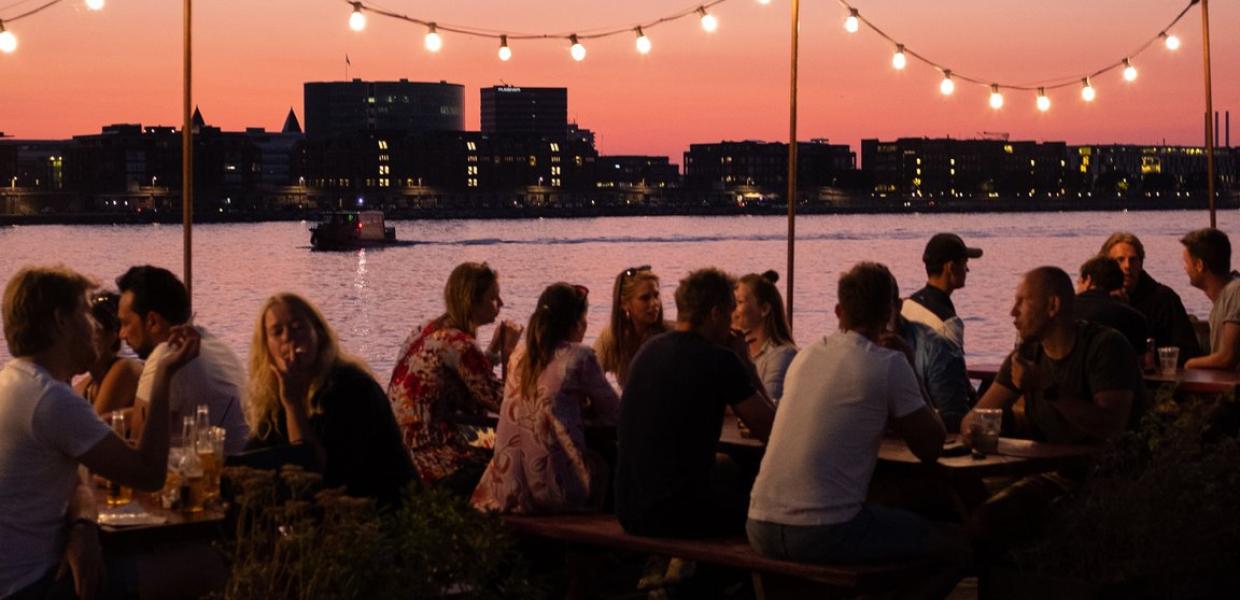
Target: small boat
[{"x": 347, "y": 230}]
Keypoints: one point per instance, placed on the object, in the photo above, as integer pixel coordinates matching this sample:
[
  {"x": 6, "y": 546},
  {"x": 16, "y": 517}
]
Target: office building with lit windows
[
  {"x": 525, "y": 110},
  {"x": 340, "y": 108}
]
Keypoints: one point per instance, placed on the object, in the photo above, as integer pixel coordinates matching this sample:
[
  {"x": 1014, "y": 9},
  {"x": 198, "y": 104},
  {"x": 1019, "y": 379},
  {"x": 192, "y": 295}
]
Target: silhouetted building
[
  {"x": 764, "y": 165},
  {"x": 636, "y": 171},
  {"x": 33, "y": 164},
  {"x": 1151, "y": 170},
  {"x": 342, "y": 108},
  {"x": 525, "y": 110},
  {"x": 945, "y": 167}
]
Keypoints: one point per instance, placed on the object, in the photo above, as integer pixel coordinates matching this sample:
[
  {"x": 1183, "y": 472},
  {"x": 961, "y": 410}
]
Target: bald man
[{"x": 1080, "y": 382}]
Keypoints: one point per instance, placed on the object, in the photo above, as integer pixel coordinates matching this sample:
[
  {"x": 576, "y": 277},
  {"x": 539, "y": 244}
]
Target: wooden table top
[
  {"x": 1201, "y": 381},
  {"x": 178, "y": 526}
]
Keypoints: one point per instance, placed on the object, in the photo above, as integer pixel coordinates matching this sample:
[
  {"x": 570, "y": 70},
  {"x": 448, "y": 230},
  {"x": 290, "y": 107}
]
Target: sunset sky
[{"x": 76, "y": 70}]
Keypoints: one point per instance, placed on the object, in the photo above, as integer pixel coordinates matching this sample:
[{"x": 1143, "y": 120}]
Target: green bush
[{"x": 298, "y": 542}]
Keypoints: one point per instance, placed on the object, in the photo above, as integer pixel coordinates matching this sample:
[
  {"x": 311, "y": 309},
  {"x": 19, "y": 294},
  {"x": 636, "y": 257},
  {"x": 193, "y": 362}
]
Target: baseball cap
[{"x": 946, "y": 247}]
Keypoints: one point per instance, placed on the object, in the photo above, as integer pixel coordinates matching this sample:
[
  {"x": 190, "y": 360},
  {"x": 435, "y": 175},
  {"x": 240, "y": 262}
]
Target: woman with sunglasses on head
[
  {"x": 443, "y": 375},
  {"x": 112, "y": 381},
  {"x": 555, "y": 388},
  {"x": 759, "y": 315},
  {"x": 636, "y": 316}
]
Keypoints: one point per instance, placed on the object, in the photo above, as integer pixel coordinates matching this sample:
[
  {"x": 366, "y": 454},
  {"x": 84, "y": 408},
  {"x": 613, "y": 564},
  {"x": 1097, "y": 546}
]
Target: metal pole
[
  {"x": 187, "y": 159},
  {"x": 792, "y": 159},
  {"x": 1205, "y": 53}
]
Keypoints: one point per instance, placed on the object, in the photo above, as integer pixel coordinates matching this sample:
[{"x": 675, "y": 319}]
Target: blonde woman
[
  {"x": 307, "y": 394},
  {"x": 555, "y": 387},
  {"x": 636, "y": 316},
  {"x": 759, "y": 315},
  {"x": 443, "y": 374}
]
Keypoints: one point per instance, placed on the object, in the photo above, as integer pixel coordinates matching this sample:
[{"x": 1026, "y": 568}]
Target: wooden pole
[
  {"x": 792, "y": 159},
  {"x": 187, "y": 158},
  {"x": 1205, "y": 53}
]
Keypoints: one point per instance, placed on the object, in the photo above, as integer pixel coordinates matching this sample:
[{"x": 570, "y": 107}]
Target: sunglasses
[
  {"x": 583, "y": 290},
  {"x": 103, "y": 298},
  {"x": 631, "y": 271}
]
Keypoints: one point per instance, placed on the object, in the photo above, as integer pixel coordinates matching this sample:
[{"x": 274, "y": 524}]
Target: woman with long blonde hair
[
  {"x": 307, "y": 395},
  {"x": 759, "y": 315},
  {"x": 555, "y": 388},
  {"x": 636, "y": 316}
]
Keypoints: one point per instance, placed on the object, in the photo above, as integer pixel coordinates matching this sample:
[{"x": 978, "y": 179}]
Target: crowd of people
[{"x": 894, "y": 368}]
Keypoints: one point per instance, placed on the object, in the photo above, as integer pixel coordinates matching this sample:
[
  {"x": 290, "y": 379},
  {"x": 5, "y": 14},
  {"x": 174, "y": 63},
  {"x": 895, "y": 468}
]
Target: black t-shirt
[
  {"x": 936, "y": 301},
  {"x": 671, "y": 414},
  {"x": 358, "y": 431},
  {"x": 1101, "y": 360},
  {"x": 1164, "y": 313},
  {"x": 1101, "y": 308}
]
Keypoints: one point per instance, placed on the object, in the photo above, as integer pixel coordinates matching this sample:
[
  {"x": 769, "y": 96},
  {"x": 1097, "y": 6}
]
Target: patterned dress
[
  {"x": 441, "y": 373},
  {"x": 541, "y": 462}
]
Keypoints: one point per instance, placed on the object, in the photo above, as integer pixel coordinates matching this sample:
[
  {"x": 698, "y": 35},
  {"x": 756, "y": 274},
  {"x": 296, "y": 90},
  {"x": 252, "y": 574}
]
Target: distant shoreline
[{"x": 851, "y": 207}]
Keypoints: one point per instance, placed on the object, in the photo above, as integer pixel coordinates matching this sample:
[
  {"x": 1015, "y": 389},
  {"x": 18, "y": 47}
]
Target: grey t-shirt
[{"x": 1226, "y": 310}]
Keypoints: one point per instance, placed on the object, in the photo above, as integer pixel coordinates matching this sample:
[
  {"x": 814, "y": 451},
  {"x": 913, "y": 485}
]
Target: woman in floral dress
[
  {"x": 442, "y": 374},
  {"x": 555, "y": 386}
]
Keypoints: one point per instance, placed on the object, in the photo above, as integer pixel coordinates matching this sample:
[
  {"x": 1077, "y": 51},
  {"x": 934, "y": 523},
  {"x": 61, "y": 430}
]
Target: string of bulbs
[{"x": 433, "y": 41}]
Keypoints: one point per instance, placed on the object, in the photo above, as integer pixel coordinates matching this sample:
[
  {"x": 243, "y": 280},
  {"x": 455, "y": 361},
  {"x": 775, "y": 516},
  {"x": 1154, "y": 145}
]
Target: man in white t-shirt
[
  {"x": 153, "y": 301},
  {"x": 840, "y": 394},
  {"x": 47, "y": 511}
]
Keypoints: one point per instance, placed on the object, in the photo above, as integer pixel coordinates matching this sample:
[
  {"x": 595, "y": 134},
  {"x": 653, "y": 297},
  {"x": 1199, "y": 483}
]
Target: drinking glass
[
  {"x": 985, "y": 429},
  {"x": 1168, "y": 359},
  {"x": 119, "y": 495}
]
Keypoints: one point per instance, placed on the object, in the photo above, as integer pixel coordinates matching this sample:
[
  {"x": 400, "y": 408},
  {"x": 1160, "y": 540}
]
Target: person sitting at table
[
  {"x": 669, "y": 482},
  {"x": 939, "y": 366},
  {"x": 153, "y": 301},
  {"x": 555, "y": 387},
  {"x": 842, "y": 392},
  {"x": 1080, "y": 383},
  {"x": 1101, "y": 280},
  {"x": 1168, "y": 322},
  {"x": 112, "y": 382},
  {"x": 636, "y": 316},
  {"x": 759, "y": 316},
  {"x": 304, "y": 391},
  {"x": 47, "y": 432},
  {"x": 1207, "y": 262},
  {"x": 442, "y": 373}
]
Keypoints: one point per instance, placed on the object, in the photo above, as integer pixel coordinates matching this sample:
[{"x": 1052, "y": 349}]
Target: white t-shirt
[
  {"x": 44, "y": 428},
  {"x": 214, "y": 378},
  {"x": 838, "y": 396}
]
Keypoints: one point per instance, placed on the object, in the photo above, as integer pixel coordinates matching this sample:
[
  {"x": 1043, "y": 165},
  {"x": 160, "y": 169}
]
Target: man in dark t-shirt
[
  {"x": 671, "y": 414},
  {"x": 1164, "y": 312},
  {"x": 1101, "y": 279}
]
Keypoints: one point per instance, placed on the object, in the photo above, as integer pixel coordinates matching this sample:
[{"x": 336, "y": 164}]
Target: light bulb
[
  {"x": 764, "y": 2},
  {"x": 1044, "y": 103},
  {"x": 1172, "y": 41},
  {"x": 357, "y": 20},
  {"x": 643, "y": 42},
  {"x": 433, "y": 41},
  {"x": 852, "y": 23},
  {"x": 947, "y": 86},
  {"x": 8, "y": 41},
  {"x": 898, "y": 60},
  {"x": 505, "y": 52},
  {"x": 709, "y": 22},
  {"x": 94, "y": 4},
  {"x": 577, "y": 50},
  {"x": 1087, "y": 90},
  {"x": 1130, "y": 72},
  {"x": 996, "y": 98}
]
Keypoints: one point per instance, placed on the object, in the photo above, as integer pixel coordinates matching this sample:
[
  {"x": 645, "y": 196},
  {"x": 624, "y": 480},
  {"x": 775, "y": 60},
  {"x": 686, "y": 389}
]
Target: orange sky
[{"x": 76, "y": 70}]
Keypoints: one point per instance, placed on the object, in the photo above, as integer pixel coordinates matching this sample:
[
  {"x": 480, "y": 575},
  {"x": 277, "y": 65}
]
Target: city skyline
[{"x": 693, "y": 87}]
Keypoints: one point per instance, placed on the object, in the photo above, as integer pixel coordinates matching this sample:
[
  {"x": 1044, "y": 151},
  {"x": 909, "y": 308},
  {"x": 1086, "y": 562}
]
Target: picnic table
[
  {"x": 177, "y": 526},
  {"x": 1200, "y": 381}
]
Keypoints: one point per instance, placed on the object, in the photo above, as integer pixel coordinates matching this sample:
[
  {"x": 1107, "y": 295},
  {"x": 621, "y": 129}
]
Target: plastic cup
[
  {"x": 1168, "y": 359},
  {"x": 985, "y": 429}
]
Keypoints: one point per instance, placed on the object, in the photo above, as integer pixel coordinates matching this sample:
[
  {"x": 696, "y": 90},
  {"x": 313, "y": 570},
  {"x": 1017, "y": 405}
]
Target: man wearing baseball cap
[{"x": 947, "y": 266}]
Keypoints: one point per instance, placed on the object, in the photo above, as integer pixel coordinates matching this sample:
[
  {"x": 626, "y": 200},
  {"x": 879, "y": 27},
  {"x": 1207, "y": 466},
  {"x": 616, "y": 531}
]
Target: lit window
[
  {"x": 555, "y": 147},
  {"x": 471, "y": 146}
]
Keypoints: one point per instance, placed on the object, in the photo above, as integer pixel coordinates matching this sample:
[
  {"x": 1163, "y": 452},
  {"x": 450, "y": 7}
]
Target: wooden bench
[{"x": 772, "y": 578}]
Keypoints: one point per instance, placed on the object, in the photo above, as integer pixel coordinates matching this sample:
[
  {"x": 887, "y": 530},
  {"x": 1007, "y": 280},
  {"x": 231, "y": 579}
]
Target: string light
[
  {"x": 764, "y": 2},
  {"x": 853, "y": 22},
  {"x": 996, "y": 98},
  {"x": 1130, "y": 72},
  {"x": 1044, "y": 103},
  {"x": 709, "y": 22},
  {"x": 576, "y": 50},
  {"x": 94, "y": 4},
  {"x": 947, "y": 86},
  {"x": 505, "y": 53},
  {"x": 643, "y": 42},
  {"x": 433, "y": 41},
  {"x": 1172, "y": 41},
  {"x": 1087, "y": 90},
  {"x": 8, "y": 41},
  {"x": 357, "y": 20},
  {"x": 898, "y": 60}
]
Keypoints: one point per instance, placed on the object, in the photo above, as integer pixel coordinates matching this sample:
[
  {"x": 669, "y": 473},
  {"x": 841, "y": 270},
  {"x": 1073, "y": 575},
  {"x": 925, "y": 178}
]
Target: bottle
[{"x": 1149, "y": 362}]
